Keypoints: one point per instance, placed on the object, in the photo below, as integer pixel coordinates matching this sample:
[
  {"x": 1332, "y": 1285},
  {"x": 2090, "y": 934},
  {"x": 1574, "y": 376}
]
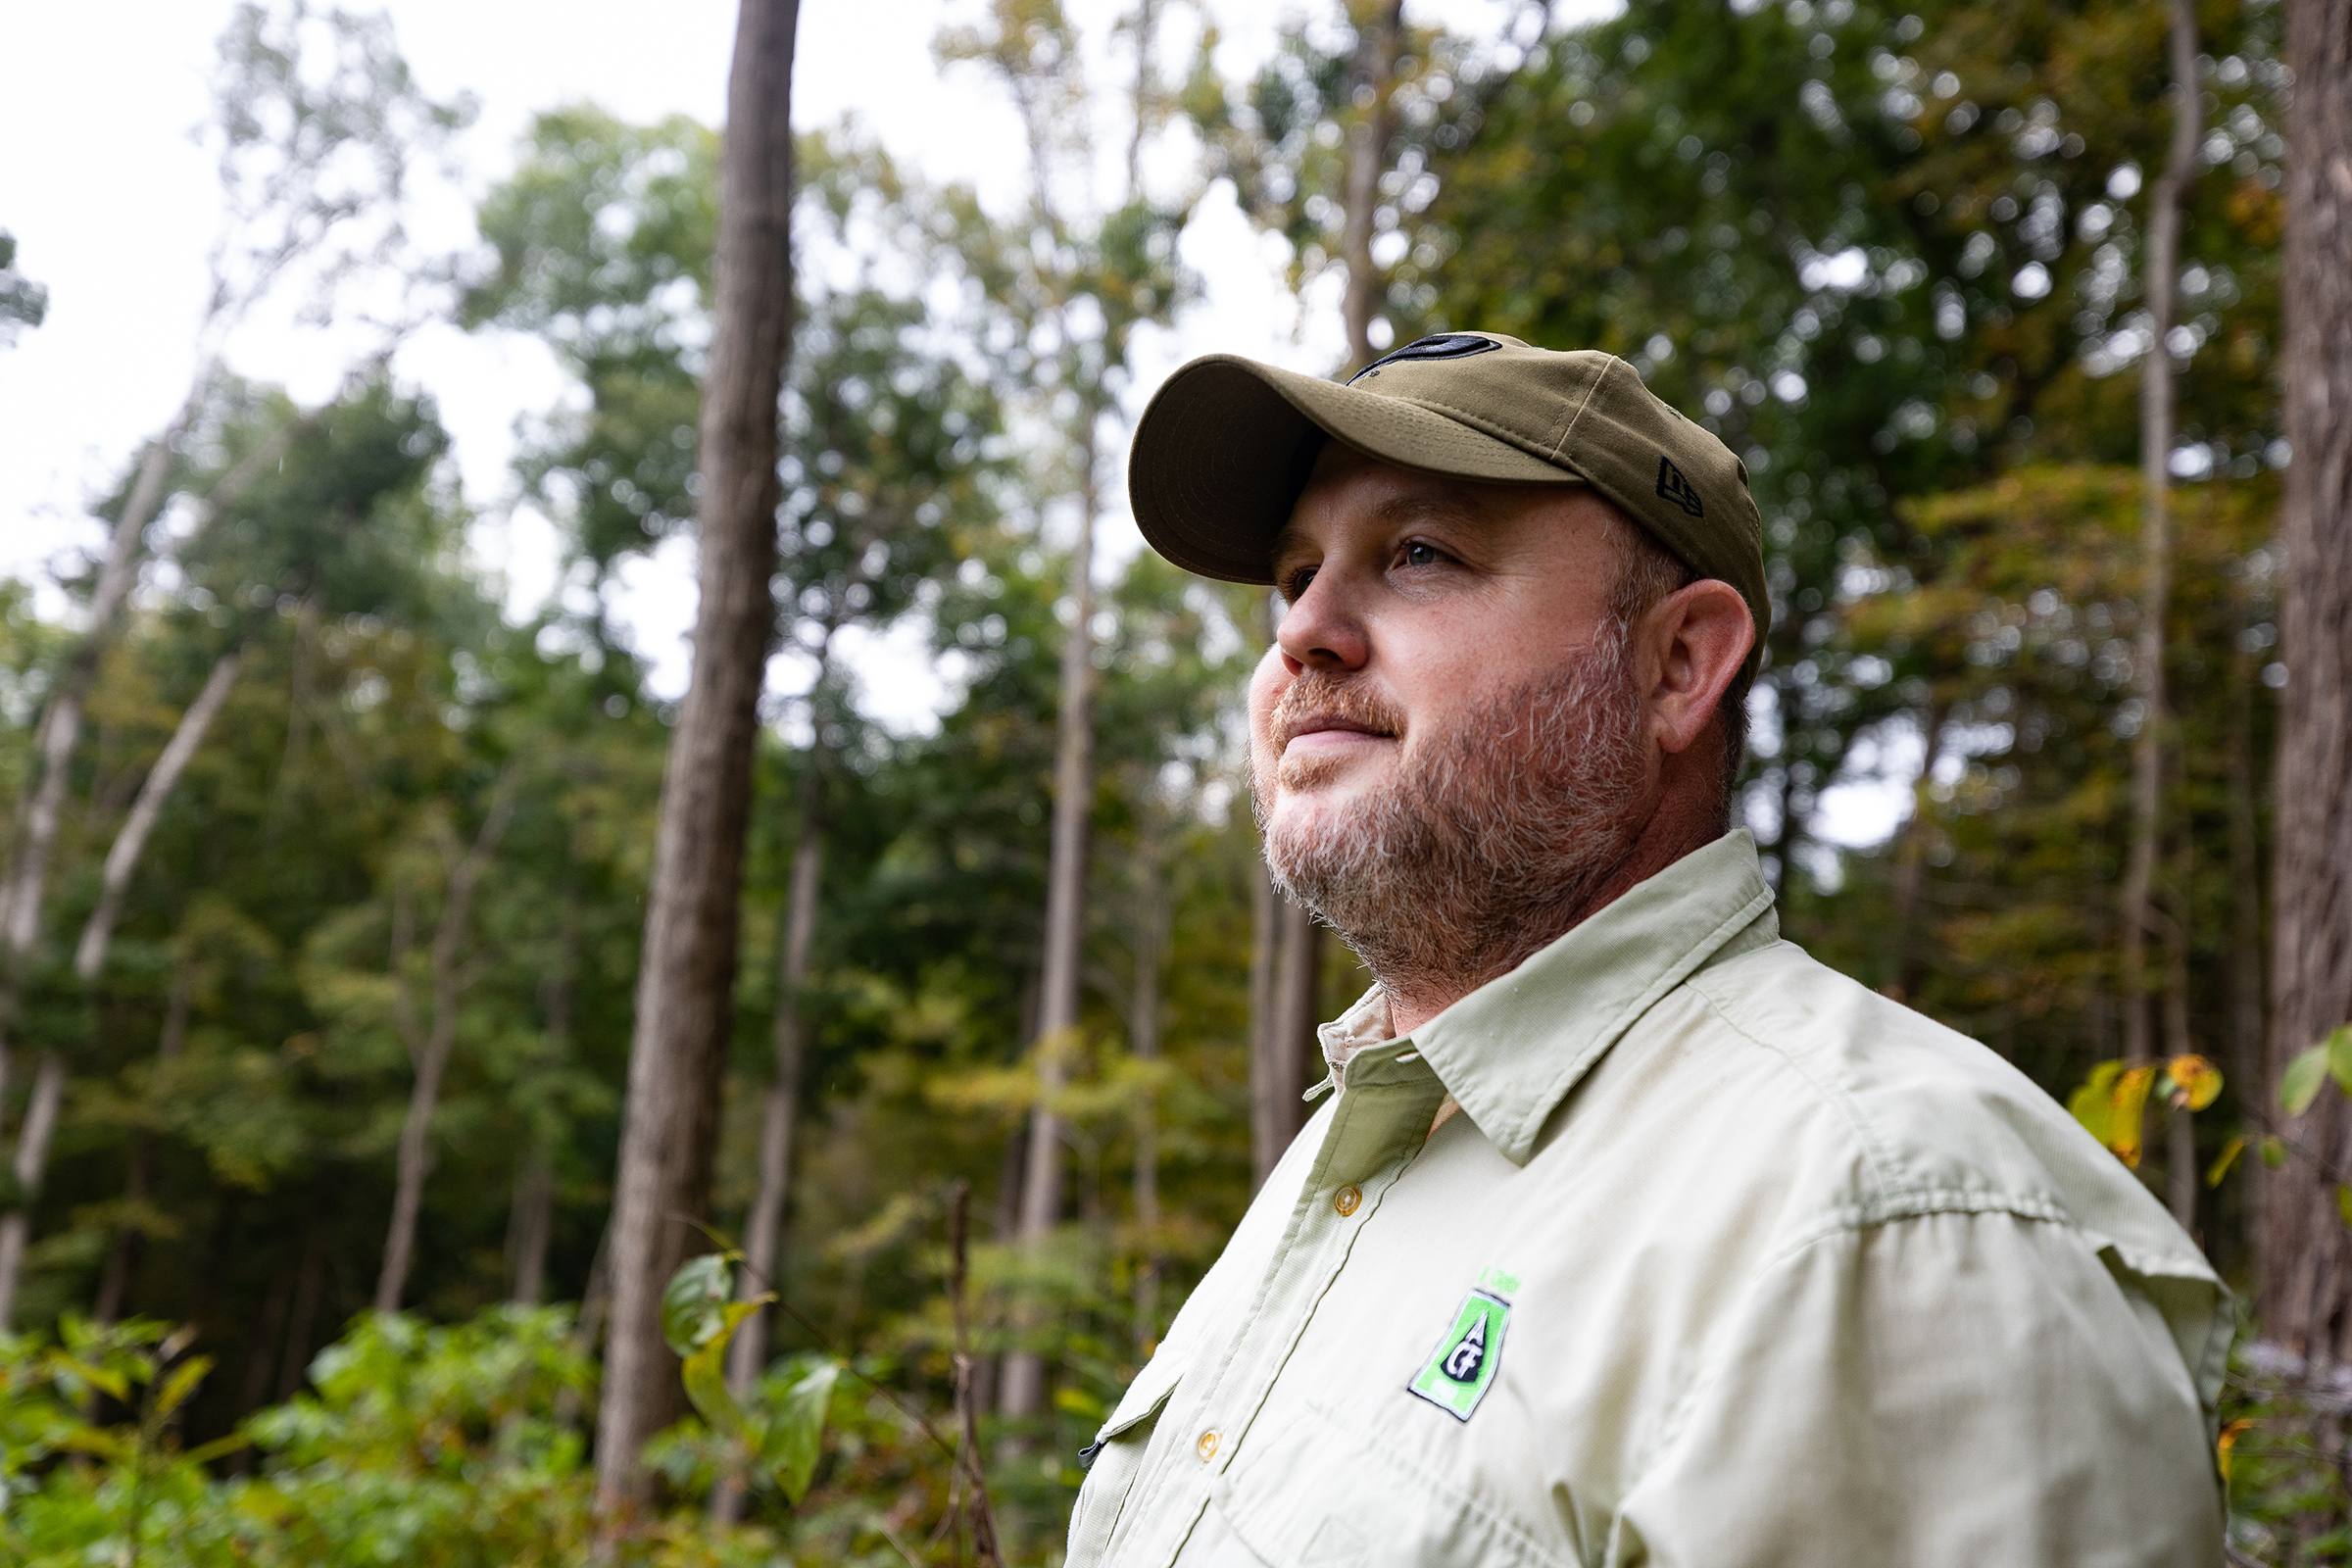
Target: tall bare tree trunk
[
  {"x": 686, "y": 984},
  {"x": 531, "y": 1222},
  {"x": 2306, "y": 1296},
  {"x": 430, "y": 1055},
  {"x": 1372, "y": 79},
  {"x": 32, "y": 1159},
  {"x": 2161, "y": 283},
  {"x": 779, "y": 1114},
  {"x": 2245, "y": 923},
  {"x": 1025, "y": 1381},
  {"x": 1143, "y": 1041},
  {"x": 41, "y": 1105},
  {"x": 1269, "y": 1131},
  {"x": 1911, "y": 865},
  {"x": 122, "y": 1256},
  {"x": 131, "y": 842},
  {"x": 2180, "y": 1145}
]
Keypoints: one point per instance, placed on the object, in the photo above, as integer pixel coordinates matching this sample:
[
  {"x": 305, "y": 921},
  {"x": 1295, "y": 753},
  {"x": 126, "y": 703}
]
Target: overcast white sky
[{"x": 113, "y": 206}]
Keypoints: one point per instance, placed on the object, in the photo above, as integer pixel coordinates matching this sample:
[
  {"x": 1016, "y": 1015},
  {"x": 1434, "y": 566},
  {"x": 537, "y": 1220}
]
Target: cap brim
[{"x": 1220, "y": 457}]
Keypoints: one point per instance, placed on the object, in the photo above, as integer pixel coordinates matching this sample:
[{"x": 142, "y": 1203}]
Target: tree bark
[
  {"x": 685, "y": 992},
  {"x": 1372, "y": 80},
  {"x": 1023, "y": 1390},
  {"x": 89, "y": 954},
  {"x": 32, "y": 1160},
  {"x": 1269, "y": 1134},
  {"x": 779, "y": 1115},
  {"x": 1143, "y": 1042},
  {"x": 431, "y": 1054},
  {"x": 2245, "y": 923},
  {"x": 2306, "y": 1291},
  {"x": 2160, "y": 280},
  {"x": 122, "y": 1256},
  {"x": 1911, "y": 866}
]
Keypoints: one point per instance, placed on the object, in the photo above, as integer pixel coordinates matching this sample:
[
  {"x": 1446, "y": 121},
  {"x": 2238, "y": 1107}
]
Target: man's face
[{"x": 1448, "y": 737}]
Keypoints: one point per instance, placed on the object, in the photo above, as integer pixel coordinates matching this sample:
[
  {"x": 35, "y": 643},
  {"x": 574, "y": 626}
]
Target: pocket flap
[{"x": 1144, "y": 1397}]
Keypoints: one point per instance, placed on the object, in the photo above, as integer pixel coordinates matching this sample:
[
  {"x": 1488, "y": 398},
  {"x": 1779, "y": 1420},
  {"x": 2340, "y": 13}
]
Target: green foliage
[{"x": 2331, "y": 1058}]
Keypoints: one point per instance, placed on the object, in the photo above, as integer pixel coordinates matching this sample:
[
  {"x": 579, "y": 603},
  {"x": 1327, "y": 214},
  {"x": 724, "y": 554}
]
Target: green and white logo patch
[{"x": 1460, "y": 1370}]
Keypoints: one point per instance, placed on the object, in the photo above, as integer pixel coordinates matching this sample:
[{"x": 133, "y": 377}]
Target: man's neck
[{"x": 1670, "y": 834}]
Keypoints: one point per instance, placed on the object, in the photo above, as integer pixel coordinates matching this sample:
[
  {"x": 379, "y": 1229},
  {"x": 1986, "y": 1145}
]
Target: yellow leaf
[
  {"x": 2223, "y": 1160},
  {"x": 2196, "y": 1081},
  {"x": 2132, "y": 1088},
  {"x": 2093, "y": 1104},
  {"x": 2228, "y": 1440}
]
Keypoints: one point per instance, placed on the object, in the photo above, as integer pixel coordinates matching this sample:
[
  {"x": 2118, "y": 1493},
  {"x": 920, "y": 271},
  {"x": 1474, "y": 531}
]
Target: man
[{"x": 1631, "y": 1234}]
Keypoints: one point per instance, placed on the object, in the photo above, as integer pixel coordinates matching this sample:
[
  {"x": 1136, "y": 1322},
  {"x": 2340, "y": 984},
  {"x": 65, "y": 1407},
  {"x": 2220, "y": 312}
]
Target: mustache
[{"x": 1316, "y": 700}]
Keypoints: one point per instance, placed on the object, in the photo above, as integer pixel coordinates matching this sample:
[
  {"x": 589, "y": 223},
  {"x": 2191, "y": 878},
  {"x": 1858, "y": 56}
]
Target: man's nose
[{"x": 1322, "y": 630}]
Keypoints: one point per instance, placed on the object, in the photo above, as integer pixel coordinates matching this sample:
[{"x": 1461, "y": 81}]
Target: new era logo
[{"x": 1677, "y": 489}]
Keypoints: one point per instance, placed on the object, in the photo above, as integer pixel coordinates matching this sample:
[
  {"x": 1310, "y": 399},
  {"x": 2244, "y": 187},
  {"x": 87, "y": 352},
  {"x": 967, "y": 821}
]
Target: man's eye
[
  {"x": 1418, "y": 554},
  {"x": 1293, "y": 586}
]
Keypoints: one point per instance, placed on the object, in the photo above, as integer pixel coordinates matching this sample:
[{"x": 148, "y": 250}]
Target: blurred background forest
[{"x": 327, "y": 870}]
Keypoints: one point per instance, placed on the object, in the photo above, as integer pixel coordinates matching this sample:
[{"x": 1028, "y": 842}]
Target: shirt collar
[{"x": 1511, "y": 1050}]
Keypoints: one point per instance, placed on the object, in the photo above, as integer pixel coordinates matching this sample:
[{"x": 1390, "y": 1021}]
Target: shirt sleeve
[{"x": 1963, "y": 1388}]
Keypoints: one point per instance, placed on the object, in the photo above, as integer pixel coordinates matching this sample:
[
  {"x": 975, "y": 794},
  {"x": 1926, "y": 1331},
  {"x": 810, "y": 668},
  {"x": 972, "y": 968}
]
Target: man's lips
[{"x": 1319, "y": 730}]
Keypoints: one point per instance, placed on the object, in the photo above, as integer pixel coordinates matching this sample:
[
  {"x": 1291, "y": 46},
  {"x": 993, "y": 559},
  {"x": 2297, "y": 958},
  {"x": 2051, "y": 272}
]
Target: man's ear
[{"x": 1699, "y": 635}]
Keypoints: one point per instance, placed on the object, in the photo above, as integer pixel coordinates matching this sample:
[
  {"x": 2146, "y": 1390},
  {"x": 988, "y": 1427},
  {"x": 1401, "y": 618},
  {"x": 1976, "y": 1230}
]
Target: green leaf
[
  {"x": 180, "y": 1383},
  {"x": 706, "y": 1372},
  {"x": 796, "y": 1431},
  {"x": 2338, "y": 1046},
  {"x": 2223, "y": 1160},
  {"x": 2300, "y": 1083},
  {"x": 2343, "y": 1202},
  {"x": 2274, "y": 1151},
  {"x": 694, "y": 1306},
  {"x": 207, "y": 1452}
]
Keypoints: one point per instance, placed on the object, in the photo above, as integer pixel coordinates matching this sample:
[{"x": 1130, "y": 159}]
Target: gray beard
[{"x": 1492, "y": 841}]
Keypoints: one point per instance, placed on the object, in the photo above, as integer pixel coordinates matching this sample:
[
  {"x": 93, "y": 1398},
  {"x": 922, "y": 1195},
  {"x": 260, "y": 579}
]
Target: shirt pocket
[
  {"x": 1118, "y": 1460},
  {"x": 1316, "y": 1488}
]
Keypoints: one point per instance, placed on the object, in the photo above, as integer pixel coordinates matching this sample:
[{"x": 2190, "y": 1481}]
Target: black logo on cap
[
  {"x": 1677, "y": 489},
  {"x": 1443, "y": 346}
]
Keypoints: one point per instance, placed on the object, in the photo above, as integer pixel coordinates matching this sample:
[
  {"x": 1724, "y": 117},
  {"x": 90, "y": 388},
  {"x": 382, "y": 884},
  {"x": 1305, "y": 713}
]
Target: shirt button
[
  {"x": 1207, "y": 1446},
  {"x": 1346, "y": 1199}
]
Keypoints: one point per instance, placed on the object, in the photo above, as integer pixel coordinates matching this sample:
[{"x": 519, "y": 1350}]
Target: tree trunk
[
  {"x": 89, "y": 954},
  {"x": 1269, "y": 1133},
  {"x": 685, "y": 991},
  {"x": 1023, "y": 1391},
  {"x": 2161, "y": 274},
  {"x": 2306, "y": 1296},
  {"x": 2245, "y": 924},
  {"x": 431, "y": 1058},
  {"x": 762, "y": 1238},
  {"x": 123, "y": 1257},
  {"x": 32, "y": 1160},
  {"x": 1911, "y": 867},
  {"x": 1291, "y": 1026},
  {"x": 1143, "y": 1041},
  {"x": 2181, "y": 1150},
  {"x": 763, "y": 1228},
  {"x": 1372, "y": 79},
  {"x": 531, "y": 1225}
]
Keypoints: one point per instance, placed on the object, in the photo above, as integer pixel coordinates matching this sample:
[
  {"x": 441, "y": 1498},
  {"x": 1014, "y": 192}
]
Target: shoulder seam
[{"x": 1881, "y": 1160}]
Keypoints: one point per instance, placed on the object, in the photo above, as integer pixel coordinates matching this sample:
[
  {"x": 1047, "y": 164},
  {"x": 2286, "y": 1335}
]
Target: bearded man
[{"x": 1629, "y": 1234}]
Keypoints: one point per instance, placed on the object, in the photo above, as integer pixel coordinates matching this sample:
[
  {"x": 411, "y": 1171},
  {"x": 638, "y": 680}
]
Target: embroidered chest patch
[{"x": 1460, "y": 1370}]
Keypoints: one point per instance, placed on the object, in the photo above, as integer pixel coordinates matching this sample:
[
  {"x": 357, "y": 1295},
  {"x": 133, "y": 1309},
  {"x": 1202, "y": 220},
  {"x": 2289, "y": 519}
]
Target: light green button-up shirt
[{"x": 1727, "y": 1260}]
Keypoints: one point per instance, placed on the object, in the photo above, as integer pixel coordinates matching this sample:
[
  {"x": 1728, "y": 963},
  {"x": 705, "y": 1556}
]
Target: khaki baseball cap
[{"x": 1227, "y": 444}]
